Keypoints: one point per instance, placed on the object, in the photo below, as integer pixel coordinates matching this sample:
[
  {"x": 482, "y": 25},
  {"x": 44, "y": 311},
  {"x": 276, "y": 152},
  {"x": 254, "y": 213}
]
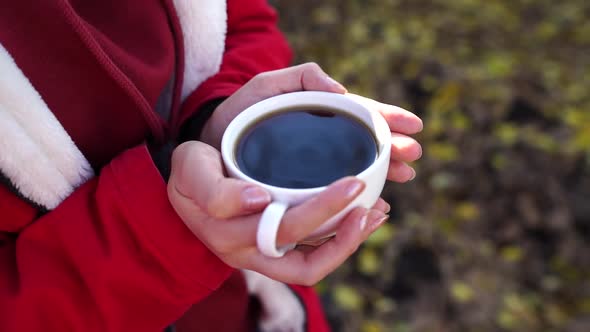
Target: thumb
[
  {"x": 308, "y": 76},
  {"x": 197, "y": 174}
]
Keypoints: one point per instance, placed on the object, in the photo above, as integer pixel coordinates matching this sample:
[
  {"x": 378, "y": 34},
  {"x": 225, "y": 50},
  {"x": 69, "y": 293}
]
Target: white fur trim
[
  {"x": 204, "y": 25},
  {"x": 37, "y": 154},
  {"x": 282, "y": 311}
]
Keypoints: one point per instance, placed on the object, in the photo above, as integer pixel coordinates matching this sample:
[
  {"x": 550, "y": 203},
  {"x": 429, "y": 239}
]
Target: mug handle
[{"x": 268, "y": 227}]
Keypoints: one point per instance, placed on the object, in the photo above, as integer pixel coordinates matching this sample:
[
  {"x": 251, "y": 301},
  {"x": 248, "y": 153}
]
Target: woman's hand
[
  {"x": 404, "y": 149},
  {"x": 307, "y": 76},
  {"x": 224, "y": 212},
  {"x": 310, "y": 76}
]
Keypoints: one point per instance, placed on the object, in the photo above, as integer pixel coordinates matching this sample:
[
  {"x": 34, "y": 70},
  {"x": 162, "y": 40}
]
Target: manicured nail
[
  {"x": 376, "y": 223},
  {"x": 255, "y": 197},
  {"x": 335, "y": 83},
  {"x": 363, "y": 223},
  {"x": 354, "y": 188},
  {"x": 413, "y": 175}
]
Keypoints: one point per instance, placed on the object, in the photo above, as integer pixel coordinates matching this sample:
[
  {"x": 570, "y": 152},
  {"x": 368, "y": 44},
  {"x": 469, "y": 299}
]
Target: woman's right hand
[{"x": 224, "y": 212}]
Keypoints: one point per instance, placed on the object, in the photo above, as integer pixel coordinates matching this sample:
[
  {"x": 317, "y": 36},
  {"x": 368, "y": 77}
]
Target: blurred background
[{"x": 494, "y": 233}]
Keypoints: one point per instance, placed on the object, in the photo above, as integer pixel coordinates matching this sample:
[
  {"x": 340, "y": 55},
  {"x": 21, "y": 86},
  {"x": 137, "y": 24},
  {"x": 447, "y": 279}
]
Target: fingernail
[
  {"x": 363, "y": 223},
  {"x": 354, "y": 188},
  {"x": 375, "y": 223},
  {"x": 335, "y": 83},
  {"x": 255, "y": 197},
  {"x": 413, "y": 175},
  {"x": 387, "y": 208}
]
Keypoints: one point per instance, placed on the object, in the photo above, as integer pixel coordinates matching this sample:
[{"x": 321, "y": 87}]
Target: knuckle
[
  {"x": 312, "y": 66},
  {"x": 207, "y": 149},
  {"x": 260, "y": 79}
]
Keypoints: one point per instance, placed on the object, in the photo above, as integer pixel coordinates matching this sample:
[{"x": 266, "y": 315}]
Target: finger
[
  {"x": 307, "y": 268},
  {"x": 308, "y": 245},
  {"x": 303, "y": 219},
  {"x": 308, "y": 76},
  {"x": 242, "y": 231},
  {"x": 297, "y": 223},
  {"x": 198, "y": 174},
  {"x": 382, "y": 205},
  {"x": 398, "y": 119},
  {"x": 405, "y": 148},
  {"x": 305, "y": 248},
  {"x": 228, "y": 237},
  {"x": 400, "y": 172}
]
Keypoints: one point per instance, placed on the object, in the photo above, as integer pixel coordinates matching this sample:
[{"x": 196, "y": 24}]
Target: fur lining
[
  {"x": 38, "y": 155},
  {"x": 282, "y": 310},
  {"x": 204, "y": 25}
]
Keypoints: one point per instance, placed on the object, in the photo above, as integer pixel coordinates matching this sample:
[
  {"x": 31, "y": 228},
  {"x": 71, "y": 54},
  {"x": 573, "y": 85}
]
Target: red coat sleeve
[
  {"x": 254, "y": 44},
  {"x": 114, "y": 256}
]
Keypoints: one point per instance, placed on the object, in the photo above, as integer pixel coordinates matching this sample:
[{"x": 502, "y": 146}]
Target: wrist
[
  {"x": 207, "y": 136},
  {"x": 161, "y": 156},
  {"x": 196, "y": 127}
]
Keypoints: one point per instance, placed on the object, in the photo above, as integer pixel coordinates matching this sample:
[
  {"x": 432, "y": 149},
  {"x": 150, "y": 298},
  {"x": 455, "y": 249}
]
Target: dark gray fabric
[
  {"x": 191, "y": 129},
  {"x": 164, "y": 103}
]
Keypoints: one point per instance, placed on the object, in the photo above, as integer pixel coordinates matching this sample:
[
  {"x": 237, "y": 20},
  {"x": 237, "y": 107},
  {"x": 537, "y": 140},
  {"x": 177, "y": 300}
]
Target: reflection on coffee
[{"x": 305, "y": 148}]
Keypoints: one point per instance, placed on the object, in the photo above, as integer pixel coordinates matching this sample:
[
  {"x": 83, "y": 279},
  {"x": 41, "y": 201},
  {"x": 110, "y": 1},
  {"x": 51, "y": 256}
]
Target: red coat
[{"x": 88, "y": 239}]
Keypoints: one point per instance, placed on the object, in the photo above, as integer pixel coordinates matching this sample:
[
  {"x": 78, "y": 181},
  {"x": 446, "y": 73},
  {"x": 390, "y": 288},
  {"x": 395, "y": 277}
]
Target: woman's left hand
[{"x": 310, "y": 76}]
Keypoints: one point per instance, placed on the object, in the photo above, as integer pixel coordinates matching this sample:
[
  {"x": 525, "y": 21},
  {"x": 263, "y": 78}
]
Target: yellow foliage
[
  {"x": 462, "y": 292},
  {"x": 347, "y": 297}
]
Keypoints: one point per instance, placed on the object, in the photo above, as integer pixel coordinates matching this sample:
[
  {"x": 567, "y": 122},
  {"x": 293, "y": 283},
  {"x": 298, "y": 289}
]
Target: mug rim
[{"x": 379, "y": 129}]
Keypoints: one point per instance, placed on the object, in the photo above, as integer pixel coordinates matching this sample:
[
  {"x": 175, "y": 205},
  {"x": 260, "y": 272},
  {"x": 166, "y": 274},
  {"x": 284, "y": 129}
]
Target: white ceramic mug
[{"x": 283, "y": 198}]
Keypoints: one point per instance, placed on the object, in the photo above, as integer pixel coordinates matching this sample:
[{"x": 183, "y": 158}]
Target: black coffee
[{"x": 305, "y": 148}]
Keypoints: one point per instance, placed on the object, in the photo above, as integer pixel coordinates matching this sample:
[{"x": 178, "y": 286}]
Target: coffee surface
[{"x": 305, "y": 148}]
